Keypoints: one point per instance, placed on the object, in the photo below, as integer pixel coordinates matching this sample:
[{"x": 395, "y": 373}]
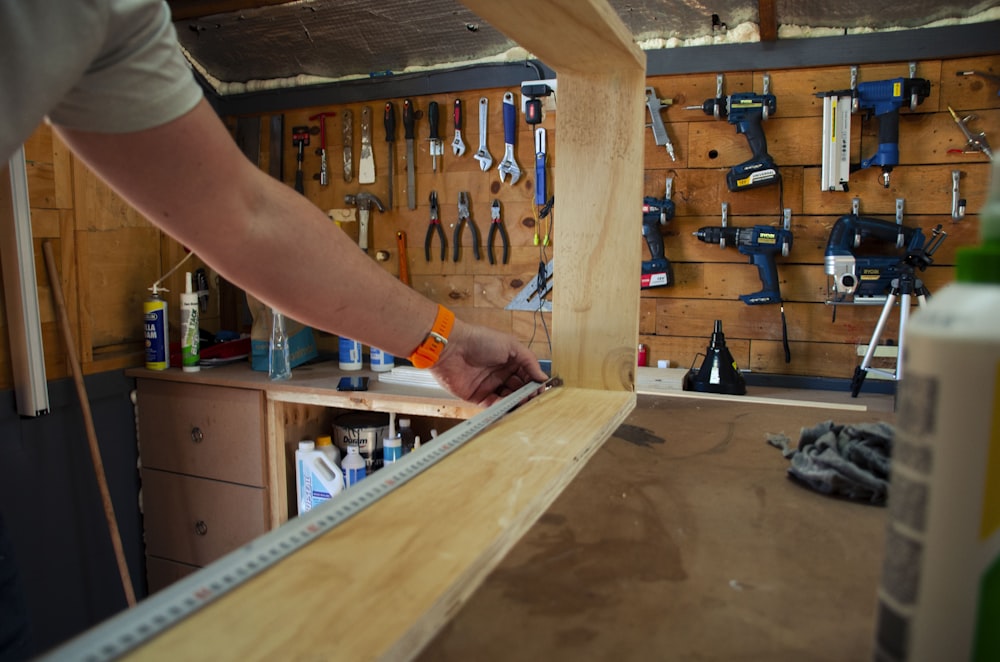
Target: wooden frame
[{"x": 382, "y": 584}]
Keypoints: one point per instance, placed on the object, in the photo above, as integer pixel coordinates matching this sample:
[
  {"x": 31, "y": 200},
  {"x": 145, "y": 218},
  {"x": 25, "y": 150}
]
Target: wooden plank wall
[
  {"x": 676, "y": 322},
  {"x": 109, "y": 255}
]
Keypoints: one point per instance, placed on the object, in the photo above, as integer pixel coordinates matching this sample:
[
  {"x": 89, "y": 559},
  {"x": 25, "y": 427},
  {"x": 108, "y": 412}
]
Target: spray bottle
[
  {"x": 154, "y": 311},
  {"x": 279, "y": 360},
  {"x": 939, "y": 597},
  {"x": 190, "y": 341}
]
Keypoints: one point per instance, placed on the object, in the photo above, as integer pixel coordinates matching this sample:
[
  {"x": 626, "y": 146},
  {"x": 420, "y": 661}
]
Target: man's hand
[{"x": 481, "y": 365}]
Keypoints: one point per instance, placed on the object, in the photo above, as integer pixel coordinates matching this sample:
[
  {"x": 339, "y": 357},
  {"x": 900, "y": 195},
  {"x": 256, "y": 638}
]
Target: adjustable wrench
[
  {"x": 483, "y": 155},
  {"x": 508, "y": 166},
  {"x": 458, "y": 145}
]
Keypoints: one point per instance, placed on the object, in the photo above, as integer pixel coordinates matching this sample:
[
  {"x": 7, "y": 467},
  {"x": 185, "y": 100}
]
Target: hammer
[{"x": 363, "y": 201}]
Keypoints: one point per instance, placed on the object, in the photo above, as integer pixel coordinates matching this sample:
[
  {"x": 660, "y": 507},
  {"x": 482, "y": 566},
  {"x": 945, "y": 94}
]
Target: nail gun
[
  {"x": 656, "y": 271},
  {"x": 746, "y": 110},
  {"x": 883, "y": 99},
  {"x": 867, "y": 278}
]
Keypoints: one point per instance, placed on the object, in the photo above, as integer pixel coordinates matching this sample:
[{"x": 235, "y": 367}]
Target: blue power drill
[
  {"x": 656, "y": 271},
  {"x": 761, "y": 243},
  {"x": 746, "y": 110},
  {"x": 884, "y": 98}
]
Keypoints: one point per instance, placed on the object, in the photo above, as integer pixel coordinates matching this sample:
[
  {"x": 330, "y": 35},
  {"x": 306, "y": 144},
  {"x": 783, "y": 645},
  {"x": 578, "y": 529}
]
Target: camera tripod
[{"x": 903, "y": 288}]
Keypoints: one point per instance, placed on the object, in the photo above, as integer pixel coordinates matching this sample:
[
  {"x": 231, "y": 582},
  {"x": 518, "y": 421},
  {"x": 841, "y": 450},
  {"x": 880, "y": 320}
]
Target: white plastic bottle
[
  {"x": 303, "y": 477},
  {"x": 190, "y": 339},
  {"x": 324, "y": 443},
  {"x": 355, "y": 467},
  {"x": 318, "y": 478},
  {"x": 381, "y": 360},
  {"x": 392, "y": 450},
  {"x": 939, "y": 598},
  {"x": 350, "y": 354}
]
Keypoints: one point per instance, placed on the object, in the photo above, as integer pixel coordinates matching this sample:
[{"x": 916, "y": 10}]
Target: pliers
[
  {"x": 435, "y": 226},
  {"x": 497, "y": 226},
  {"x": 463, "y": 217}
]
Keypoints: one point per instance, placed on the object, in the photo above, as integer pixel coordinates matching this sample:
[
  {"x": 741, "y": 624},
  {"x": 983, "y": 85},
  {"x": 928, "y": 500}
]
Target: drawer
[
  {"x": 209, "y": 431},
  {"x": 161, "y": 573},
  {"x": 196, "y": 520}
]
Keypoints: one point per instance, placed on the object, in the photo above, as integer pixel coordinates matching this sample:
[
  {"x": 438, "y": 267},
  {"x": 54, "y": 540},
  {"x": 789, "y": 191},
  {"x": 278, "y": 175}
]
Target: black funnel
[{"x": 718, "y": 374}]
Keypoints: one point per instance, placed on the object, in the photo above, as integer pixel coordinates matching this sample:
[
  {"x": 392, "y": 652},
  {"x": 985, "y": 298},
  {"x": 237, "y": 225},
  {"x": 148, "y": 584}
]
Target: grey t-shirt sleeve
[{"x": 139, "y": 80}]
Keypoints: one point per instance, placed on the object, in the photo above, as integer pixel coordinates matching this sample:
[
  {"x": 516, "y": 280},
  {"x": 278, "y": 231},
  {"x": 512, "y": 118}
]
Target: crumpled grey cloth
[{"x": 843, "y": 460}]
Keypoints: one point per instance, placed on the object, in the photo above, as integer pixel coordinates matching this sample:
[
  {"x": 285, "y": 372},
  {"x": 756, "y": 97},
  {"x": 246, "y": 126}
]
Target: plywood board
[{"x": 383, "y": 583}]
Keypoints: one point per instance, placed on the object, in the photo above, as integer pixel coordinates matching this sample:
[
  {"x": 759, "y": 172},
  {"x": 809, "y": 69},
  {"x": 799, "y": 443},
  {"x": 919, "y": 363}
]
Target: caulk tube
[
  {"x": 939, "y": 597},
  {"x": 190, "y": 342},
  {"x": 154, "y": 313}
]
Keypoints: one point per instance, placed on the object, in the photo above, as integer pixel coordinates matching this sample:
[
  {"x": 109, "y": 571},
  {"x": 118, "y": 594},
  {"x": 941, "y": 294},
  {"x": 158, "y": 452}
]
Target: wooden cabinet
[
  {"x": 216, "y": 450},
  {"x": 203, "y": 474}
]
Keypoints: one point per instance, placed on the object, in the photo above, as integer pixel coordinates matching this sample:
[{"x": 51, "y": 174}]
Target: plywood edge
[{"x": 382, "y": 584}]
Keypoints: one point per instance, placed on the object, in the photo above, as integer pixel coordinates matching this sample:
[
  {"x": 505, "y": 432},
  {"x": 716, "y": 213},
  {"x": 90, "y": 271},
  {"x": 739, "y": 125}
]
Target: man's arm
[{"x": 189, "y": 178}]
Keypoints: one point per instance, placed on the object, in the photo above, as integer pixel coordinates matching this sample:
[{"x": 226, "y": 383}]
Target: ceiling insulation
[{"x": 292, "y": 44}]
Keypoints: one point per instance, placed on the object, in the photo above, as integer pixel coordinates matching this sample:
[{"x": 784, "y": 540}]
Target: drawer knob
[
  {"x": 197, "y": 436},
  {"x": 201, "y": 528}
]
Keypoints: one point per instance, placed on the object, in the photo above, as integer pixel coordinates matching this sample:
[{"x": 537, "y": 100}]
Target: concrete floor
[{"x": 684, "y": 538}]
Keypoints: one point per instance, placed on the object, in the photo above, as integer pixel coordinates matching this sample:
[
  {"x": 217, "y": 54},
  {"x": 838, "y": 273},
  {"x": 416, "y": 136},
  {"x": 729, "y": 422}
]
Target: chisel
[
  {"x": 411, "y": 193},
  {"x": 390, "y": 139}
]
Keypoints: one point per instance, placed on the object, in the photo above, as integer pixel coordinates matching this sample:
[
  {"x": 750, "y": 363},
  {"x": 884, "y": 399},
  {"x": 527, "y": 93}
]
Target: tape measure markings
[{"x": 133, "y": 627}]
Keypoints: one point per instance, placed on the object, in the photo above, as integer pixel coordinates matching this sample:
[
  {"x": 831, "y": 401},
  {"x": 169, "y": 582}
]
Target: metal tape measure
[{"x": 133, "y": 627}]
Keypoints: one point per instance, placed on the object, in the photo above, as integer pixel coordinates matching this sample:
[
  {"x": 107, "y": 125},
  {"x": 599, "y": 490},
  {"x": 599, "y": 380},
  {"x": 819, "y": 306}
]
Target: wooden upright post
[{"x": 599, "y": 142}]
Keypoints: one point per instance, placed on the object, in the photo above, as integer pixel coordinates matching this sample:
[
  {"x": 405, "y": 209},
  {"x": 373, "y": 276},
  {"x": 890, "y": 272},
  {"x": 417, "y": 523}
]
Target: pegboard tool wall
[{"x": 677, "y": 320}]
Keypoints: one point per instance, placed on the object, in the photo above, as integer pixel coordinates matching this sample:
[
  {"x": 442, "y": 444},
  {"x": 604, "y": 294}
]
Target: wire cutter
[
  {"x": 435, "y": 227},
  {"x": 497, "y": 226},
  {"x": 464, "y": 218}
]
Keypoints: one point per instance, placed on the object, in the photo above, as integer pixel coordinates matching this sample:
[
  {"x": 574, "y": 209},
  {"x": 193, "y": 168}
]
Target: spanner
[
  {"x": 458, "y": 145},
  {"x": 508, "y": 166},
  {"x": 483, "y": 155}
]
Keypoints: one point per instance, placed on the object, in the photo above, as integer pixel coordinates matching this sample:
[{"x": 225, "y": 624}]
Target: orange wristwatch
[{"x": 429, "y": 351}]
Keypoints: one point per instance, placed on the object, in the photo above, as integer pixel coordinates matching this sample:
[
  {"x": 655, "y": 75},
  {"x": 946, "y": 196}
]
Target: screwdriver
[
  {"x": 411, "y": 197},
  {"x": 390, "y": 138},
  {"x": 437, "y": 147}
]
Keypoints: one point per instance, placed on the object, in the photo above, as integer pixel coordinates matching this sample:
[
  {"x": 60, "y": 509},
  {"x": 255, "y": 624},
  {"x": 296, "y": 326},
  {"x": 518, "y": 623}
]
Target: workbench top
[
  {"x": 316, "y": 383},
  {"x": 683, "y": 538}
]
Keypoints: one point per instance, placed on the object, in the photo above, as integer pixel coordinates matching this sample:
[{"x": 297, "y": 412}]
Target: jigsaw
[{"x": 867, "y": 277}]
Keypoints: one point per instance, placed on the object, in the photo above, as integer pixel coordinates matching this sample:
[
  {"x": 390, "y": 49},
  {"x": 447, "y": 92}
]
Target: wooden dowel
[{"x": 81, "y": 392}]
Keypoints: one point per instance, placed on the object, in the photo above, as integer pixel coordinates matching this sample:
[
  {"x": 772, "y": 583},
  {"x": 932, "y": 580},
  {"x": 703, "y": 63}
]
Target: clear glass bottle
[{"x": 279, "y": 360}]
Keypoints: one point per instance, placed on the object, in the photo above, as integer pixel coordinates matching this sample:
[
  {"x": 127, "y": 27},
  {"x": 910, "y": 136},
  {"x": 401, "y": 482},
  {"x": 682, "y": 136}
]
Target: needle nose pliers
[
  {"x": 496, "y": 225},
  {"x": 435, "y": 227},
  {"x": 464, "y": 218}
]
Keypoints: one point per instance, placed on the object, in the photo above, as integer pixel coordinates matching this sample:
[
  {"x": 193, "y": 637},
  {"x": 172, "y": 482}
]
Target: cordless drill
[
  {"x": 761, "y": 243},
  {"x": 883, "y": 98},
  {"x": 656, "y": 271},
  {"x": 746, "y": 110}
]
